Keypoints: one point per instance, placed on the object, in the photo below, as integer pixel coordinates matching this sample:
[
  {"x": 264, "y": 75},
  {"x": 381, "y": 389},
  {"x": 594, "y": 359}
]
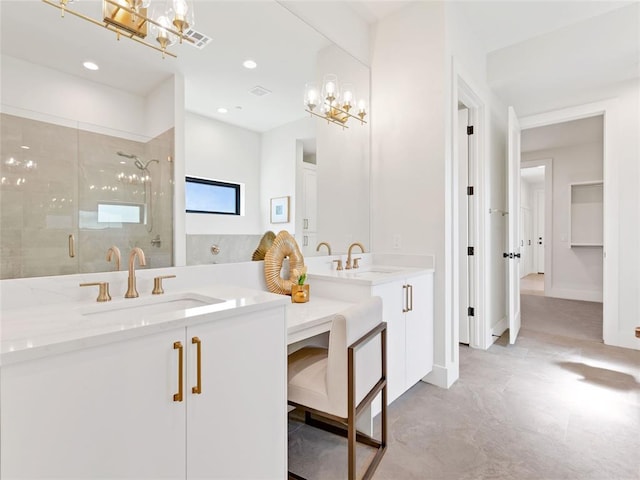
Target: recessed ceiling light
[
  {"x": 90, "y": 66},
  {"x": 24, "y": 147},
  {"x": 222, "y": 110},
  {"x": 250, "y": 64}
]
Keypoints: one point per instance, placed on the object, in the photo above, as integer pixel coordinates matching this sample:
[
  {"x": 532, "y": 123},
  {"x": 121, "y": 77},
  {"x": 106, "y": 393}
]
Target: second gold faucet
[{"x": 132, "y": 292}]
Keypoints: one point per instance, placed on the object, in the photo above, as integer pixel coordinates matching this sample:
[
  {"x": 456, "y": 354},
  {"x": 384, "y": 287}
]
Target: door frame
[
  {"x": 464, "y": 92},
  {"x": 610, "y": 269}
]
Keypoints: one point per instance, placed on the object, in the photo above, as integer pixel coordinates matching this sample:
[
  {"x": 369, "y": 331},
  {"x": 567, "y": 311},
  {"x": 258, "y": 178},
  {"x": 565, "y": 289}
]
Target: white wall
[
  {"x": 278, "y": 170},
  {"x": 220, "y": 151},
  {"x": 336, "y": 21},
  {"x": 41, "y": 93},
  {"x": 576, "y": 272},
  {"x": 408, "y": 148},
  {"x": 159, "y": 109},
  {"x": 343, "y": 160},
  {"x": 466, "y": 69}
]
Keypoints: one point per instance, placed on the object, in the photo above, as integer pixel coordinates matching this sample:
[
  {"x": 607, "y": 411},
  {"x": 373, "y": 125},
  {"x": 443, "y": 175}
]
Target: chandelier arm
[
  {"x": 326, "y": 118},
  {"x": 362, "y": 121},
  {"x": 109, "y": 27},
  {"x": 148, "y": 20}
]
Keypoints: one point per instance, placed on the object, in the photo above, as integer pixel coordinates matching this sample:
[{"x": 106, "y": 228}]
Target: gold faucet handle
[
  {"x": 157, "y": 284},
  {"x": 355, "y": 262},
  {"x": 339, "y": 262},
  {"x": 103, "y": 293}
]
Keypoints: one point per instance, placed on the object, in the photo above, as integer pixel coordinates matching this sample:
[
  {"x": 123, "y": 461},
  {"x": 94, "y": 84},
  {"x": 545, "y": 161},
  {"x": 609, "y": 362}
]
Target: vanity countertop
[{"x": 35, "y": 332}]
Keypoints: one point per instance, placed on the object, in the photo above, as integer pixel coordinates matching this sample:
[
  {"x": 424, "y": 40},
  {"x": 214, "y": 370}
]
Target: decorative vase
[{"x": 299, "y": 293}]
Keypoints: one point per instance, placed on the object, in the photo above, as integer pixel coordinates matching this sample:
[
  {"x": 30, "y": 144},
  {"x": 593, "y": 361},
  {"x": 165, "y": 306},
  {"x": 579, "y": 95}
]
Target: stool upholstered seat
[{"x": 340, "y": 382}]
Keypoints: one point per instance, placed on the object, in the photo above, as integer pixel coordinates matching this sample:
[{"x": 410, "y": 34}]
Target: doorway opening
[
  {"x": 532, "y": 229},
  {"x": 562, "y": 220}
]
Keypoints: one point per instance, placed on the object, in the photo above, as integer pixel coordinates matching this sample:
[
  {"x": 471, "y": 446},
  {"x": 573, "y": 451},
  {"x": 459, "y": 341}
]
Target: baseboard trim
[
  {"x": 499, "y": 328},
  {"x": 442, "y": 377}
]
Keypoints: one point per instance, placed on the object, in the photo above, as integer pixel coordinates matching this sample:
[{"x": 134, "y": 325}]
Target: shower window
[{"x": 120, "y": 213}]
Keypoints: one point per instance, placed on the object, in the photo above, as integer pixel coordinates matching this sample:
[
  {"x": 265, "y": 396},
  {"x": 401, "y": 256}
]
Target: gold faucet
[
  {"x": 348, "y": 265},
  {"x": 326, "y": 244},
  {"x": 114, "y": 251},
  {"x": 136, "y": 252}
]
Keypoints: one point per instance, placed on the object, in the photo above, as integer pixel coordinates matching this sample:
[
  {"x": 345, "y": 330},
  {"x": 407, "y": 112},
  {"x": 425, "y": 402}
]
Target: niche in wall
[{"x": 586, "y": 225}]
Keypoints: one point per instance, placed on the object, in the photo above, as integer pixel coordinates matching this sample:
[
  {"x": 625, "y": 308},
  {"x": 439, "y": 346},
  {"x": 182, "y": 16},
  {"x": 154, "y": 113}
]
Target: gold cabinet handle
[
  {"x": 410, "y": 298},
  {"x": 198, "y": 388},
  {"x": 157, "y": 284},
  {"x": 72, "y": 246},
  {"x": 405, "y": 306},
  {"x": 177, "y": 397}
]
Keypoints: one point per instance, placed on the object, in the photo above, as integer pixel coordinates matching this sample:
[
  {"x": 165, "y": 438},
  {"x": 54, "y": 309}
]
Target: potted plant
[{"x": 300, "y": 290}]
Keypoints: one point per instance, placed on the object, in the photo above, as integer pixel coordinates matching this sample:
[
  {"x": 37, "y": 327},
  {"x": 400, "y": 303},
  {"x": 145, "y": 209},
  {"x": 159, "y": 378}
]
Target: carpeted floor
[{"x": 552, "y": 406}]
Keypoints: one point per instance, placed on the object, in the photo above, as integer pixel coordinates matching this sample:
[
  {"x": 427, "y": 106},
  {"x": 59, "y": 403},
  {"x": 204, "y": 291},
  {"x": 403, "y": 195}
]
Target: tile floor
[{"x": 549, "y": 407}]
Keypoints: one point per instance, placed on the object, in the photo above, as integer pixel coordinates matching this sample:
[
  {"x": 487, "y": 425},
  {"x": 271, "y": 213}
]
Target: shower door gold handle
[
  {"x": 72, "y": 246},
  {"x": 177, "y": 397},
  {"x": 198, "y": 388}
]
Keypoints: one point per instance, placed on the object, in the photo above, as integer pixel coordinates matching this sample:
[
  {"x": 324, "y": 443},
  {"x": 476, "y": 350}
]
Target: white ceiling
[
  {"x": 214, "y": 76},
  {"x": 543, "y": 53},
  {"x": 498, "y": 24}
]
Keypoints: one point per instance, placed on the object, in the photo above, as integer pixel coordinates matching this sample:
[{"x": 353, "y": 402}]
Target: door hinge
[
  {"x": 470, "y": 251},
  {"x": 471, "y": 312},
  {"x": 470, "y": 190},
  {"x": 470, "y": 130}
]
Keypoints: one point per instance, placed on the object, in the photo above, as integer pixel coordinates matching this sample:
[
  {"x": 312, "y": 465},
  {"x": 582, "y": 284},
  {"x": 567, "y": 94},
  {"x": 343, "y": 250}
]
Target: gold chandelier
[
  {"x": 129, "y": 18},
  {"x": 335, "y": 103}
]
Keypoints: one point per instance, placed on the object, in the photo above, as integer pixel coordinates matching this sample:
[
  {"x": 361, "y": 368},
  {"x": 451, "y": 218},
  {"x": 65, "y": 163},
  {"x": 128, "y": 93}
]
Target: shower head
[
  {"x": 127, "y": 155},
  {"x": 144, "y": 166}
]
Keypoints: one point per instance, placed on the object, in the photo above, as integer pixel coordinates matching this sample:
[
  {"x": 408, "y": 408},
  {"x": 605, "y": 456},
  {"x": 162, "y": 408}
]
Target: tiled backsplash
[{"x": 231, "y": 248}]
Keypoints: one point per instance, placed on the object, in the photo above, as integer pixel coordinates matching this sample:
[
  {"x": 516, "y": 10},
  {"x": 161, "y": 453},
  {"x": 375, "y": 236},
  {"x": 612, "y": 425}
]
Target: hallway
[{"x": 548, "y": 407}]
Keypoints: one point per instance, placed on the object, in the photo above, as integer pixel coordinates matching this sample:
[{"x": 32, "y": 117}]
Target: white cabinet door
[
  {"x": 393, "y": 299},
  {"x": 236, "y": 426},
  {"x": 103, "y": 412},
  {"x": 419, "y": 329}
]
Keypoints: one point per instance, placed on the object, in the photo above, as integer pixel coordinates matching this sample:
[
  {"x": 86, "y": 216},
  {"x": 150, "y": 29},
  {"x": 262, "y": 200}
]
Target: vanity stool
[{"x": 339, "y": 382}]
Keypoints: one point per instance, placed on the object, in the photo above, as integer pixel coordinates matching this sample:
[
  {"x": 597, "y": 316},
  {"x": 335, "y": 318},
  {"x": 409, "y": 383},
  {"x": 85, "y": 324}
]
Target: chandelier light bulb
[
  {"x": 347, "y": 96},
  {"x": 330, "y": 89},
  {"x": 163, "y": 36},
  {"x": 181, "y": 12},
  {"x": 311, "y": 95}
]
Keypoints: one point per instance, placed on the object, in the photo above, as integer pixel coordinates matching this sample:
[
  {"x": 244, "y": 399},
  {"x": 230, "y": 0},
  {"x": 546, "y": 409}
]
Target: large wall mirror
[{"x": 107, "y": 149}]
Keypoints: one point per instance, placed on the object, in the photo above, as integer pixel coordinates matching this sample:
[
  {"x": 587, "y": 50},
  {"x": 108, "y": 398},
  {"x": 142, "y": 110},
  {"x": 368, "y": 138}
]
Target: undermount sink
[
  {"x": 152, "y": 306},
  {"x": 373, "y": 270}
]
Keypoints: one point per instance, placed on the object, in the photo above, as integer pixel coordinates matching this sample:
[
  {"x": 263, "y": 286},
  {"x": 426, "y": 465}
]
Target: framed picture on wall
[{"x": 280, "y": 210}]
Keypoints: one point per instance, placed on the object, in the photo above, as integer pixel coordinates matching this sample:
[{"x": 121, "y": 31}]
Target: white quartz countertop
[
  {"x": 369, "y": 275},
  {"x": 35, "y": 332},
  {"x": 311, "y": 318}
]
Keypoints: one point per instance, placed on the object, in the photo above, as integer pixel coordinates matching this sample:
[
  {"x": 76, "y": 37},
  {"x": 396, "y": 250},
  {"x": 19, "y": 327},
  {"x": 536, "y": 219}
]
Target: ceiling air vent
[
  {"x": 200, "y": 40},
  {"x": 259, "y": 91}
]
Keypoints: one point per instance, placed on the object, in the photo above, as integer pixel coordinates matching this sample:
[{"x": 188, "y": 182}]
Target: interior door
[
  {"x": 540, "y": 231},
  {"x": 513, "y": 253}
]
